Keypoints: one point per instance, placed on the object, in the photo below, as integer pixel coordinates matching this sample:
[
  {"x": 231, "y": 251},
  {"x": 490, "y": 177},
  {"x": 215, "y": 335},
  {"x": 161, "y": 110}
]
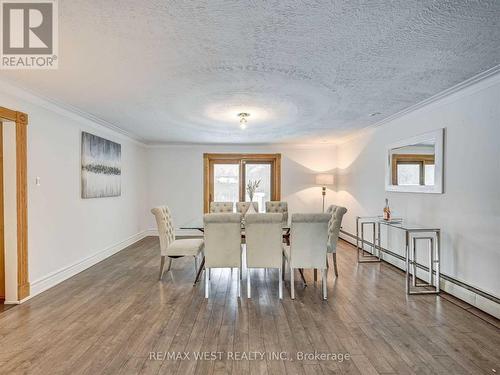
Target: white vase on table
[{"x": 251, "y": 209}]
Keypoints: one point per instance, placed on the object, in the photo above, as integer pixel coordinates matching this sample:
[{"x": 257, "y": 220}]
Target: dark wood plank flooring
[
  {"x": 4, "y": 307},
  {"x": 111, "y": 317}
]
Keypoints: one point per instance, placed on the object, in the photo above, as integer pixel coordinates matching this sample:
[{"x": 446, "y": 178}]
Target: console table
[{"x": 414, "y": 233}]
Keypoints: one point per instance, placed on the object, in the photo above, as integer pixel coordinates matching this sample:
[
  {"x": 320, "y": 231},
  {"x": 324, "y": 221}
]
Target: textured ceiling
[{"x": 178, "y": 71}]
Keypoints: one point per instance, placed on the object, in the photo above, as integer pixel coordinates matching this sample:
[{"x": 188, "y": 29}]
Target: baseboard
[
  {"x": 151, "y": 232},
  {"x": 11, "y": 302},
  {"x": 462, "y": 291},
  {"x": 65, "y": 273}
]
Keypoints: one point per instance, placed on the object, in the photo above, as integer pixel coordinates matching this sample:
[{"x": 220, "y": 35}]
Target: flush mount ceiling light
[{"x": 243, "y": 119}]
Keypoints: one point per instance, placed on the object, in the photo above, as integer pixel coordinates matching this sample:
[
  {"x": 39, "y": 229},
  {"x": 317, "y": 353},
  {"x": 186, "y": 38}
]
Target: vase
[{"x": 251, "y": 209}]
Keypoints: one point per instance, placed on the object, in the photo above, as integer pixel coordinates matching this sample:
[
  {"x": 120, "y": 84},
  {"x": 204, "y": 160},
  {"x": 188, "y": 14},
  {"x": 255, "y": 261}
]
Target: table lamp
[{"x": 324, "y": 180}]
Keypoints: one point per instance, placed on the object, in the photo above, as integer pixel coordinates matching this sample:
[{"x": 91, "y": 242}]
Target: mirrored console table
[{"x": 414, "y": 234}]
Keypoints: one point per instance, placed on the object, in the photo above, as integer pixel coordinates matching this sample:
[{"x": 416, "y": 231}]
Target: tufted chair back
[
  {"x": 242, "y": 207},
  {"x": 221, "y": 207},
  {"x": 264, "y": 240},
  {"x": 337, "y": 213},
  {"x": 165, "y": 225},
  {"x": 278, "y": 207},
  {"x": 222, "y": 240},
  {"x": 308, "y": 237}
]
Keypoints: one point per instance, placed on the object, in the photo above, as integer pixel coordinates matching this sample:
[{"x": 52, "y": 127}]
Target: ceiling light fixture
[{"x": 243, "y": 119}]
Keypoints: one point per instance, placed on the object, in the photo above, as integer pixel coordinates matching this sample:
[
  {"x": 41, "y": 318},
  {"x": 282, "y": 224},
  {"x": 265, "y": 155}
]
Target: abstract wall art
[{"x": 101, "y": 167}]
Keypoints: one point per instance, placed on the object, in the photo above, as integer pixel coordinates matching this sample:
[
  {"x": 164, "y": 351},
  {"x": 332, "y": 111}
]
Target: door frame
[
  {"x": 21, "y": 121},
  {"x": 2, "y": 229},
  {"x": 210, "y": 159}
]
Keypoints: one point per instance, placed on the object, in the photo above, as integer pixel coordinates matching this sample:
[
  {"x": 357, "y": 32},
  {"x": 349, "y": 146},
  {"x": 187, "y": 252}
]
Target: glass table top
[
  {"x": 399, "y": 223},
  {"x": 408, "y": 226},
  {"x": 198, "y": 224}
]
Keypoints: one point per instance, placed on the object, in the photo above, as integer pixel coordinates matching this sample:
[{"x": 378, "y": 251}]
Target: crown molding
[
  {"x": 452, "y": 93},
  {"x": 11, "y": 88},
  {"x": 475, "y": 83},
  {"x": 470, "y": 85},
  {"x": 443, "y": 94}
]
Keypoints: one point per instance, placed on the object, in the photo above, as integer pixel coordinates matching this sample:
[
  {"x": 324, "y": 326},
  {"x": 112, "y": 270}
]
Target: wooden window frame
[
  {"x": 241, "y": 159},
  {"x": 420, "y": 159},
  {"x": 21, "y": 121}
]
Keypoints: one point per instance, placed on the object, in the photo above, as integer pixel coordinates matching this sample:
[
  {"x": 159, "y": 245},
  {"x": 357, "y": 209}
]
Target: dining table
[{"x": 197, "y": 224}]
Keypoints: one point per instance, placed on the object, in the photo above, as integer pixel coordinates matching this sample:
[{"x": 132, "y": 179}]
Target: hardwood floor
[
  {"x": 5, "y": 307},
  {"x": 109, "y": 318}
]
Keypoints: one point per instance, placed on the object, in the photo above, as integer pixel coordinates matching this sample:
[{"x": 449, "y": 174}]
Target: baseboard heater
[{"x": 421, "y": 266}]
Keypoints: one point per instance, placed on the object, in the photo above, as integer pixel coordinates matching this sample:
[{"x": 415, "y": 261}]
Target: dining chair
[
  {"x": 264, "y": 245},
  {"x": 279, "y": 207},
  {"x": 334, "y": 225},
  {"x": 221, "y": 207},
  {"x": 309, "y": 239},
  {"x": 242, "y": 207},
  {"x": 222, "y": 244},
  {"x": 169, "y": 246}
]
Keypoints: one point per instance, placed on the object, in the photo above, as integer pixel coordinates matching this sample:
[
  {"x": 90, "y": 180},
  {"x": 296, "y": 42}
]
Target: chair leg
[
  {"x": 323, "y": 280},
  {"x": 201, "y": 268},
  {"x": 315, "y": 275},
  {"x": 249, "y": 288},
  {"x": 238, "y": 280},
  {"x": 195, "y": 263},
  {"x": 207, "y": 281},
  {"x": 280, "y": 286},
  {"x": 209, "y": 274},
  {"x": 283, "y": 268},
  {"x": 334, "y": 256},
  {"x": 292, "y": 284},
  {"x": 301, "y": 271},
  {"x": 162, "y": 264}
]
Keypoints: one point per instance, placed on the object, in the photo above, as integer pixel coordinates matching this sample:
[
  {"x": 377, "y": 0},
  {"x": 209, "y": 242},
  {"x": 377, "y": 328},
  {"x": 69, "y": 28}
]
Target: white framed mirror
[{"x": 416, "y": 164}]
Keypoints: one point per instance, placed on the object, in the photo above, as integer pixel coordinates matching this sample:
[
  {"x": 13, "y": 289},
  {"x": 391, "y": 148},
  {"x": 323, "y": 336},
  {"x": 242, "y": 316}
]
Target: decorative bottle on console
[{"x": 387, "y": 210}]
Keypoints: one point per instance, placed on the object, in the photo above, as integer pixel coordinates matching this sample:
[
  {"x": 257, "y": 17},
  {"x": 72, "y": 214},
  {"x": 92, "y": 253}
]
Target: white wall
[
  {"x": 66, "y": 233},
  {"x": 176, "y": 177},
  {"x": 469, "y": 211}
]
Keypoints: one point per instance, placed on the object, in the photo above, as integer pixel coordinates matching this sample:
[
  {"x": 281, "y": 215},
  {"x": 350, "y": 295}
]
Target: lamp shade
[{"x": 324, "y": 179}]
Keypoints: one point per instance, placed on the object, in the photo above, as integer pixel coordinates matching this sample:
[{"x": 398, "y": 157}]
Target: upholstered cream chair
[
  {"x": 309, "y": 240},
  {"x": 169, "y": 246},
  {"x": 221, "y": 207},
  {"x": 242, "y": 207},
  {"x": 278, "y": 207},
  {"x": 337, "y": 213},
  {"x": 264, "y": 244},
  {"x": 222, "y": 244}
]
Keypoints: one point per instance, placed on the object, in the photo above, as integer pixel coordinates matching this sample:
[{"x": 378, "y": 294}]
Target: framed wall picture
[{"x": 101, "y": 167}]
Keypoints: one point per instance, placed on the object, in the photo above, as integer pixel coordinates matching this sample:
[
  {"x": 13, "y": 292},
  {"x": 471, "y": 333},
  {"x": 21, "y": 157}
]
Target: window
[
  {"x": 408, "y": 174},
  {"x": 429, "y": 174},
  {"x": 259, "y": 172},
  {"x": 413, "y": 170},
  {"x": 227, "y": 175},
  {"x": 226, "y": 182}
]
